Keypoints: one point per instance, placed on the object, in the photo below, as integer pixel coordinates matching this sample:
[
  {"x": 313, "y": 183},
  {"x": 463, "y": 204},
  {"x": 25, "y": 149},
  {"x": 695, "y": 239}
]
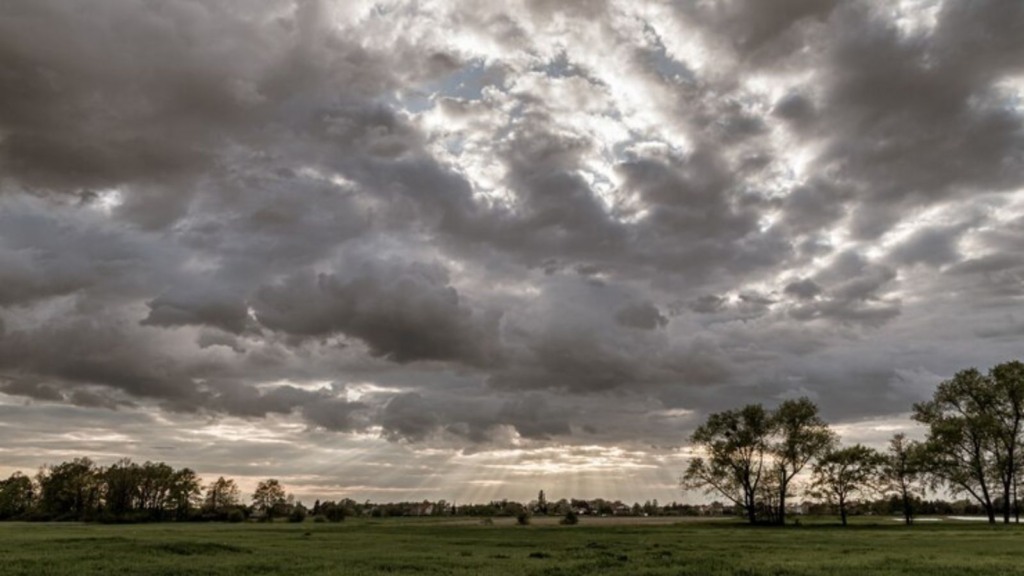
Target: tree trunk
[
  {"x": 842, "y": 510},
  {"x": 986, "y": 501},
  {"x": 750, "y": 503},
  {"x": 908, "y": 513},
  {"x": 782, "y": 504},
  {"x": 1006, "y": 503},
  {"x": 1016, "y": 505},
  {"x": 1008, "y": 484}
]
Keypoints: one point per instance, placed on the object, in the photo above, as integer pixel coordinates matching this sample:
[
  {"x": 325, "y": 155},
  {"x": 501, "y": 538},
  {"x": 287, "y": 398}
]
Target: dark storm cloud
[
  {"x": 804, "y": 289},
  {"x": 404, "y": 312},
  {"x": 48, "y": 251},
  {"x": 407, "y": 416},
  {"x": 754, "y": 26},
  {"x": 907, "y": 104},
  {"x": 643, "y": 315},
  {"x": 852, "y": 290},
  {"x": 97, "y": 352},
  {"x": 199, "y": 305},
  {"x": 568, "y": 222},
  {"x": 707, "y": 304},
  {"x": 146, "y": 97},
  {"x": 533, "y": 418},
  {"x": 336, "y": 414},
  {"x": 932, "y": 246},
  {"x": 814, "y": 206},
  {"x": 31, "y": 389}
]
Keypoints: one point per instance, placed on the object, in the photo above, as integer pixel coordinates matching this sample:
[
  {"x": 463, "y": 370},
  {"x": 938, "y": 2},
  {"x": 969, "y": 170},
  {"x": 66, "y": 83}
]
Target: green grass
[{"x": 406, "y": 546}]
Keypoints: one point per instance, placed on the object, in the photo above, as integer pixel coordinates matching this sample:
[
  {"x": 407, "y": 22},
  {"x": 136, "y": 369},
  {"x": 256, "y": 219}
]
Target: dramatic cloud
[{"x": 486, "y": 244}]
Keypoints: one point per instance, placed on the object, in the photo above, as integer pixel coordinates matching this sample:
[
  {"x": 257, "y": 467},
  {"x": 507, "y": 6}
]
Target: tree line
[
  {"x": 130, "y": 492},
  {"x": 973, "y": 447}
]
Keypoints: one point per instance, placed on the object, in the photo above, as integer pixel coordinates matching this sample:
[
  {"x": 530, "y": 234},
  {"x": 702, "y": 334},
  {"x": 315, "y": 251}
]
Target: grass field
[{"x": 411, "y": 546}]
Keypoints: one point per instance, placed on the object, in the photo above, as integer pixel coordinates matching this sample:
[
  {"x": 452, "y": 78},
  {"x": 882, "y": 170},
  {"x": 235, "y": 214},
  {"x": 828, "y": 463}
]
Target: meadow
[{"x": 430, "y": 546}]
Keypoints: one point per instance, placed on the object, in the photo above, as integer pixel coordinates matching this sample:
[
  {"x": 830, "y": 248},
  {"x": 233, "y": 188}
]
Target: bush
[
  {"x": 298, "y": 514},
  {"x": 570, "y": 519},
  {"x": 319, "y": 519},
  {"x": 335, "y": 512},
  {"x": 235, "y": 515},
  {"x": 523, "y": 517}
]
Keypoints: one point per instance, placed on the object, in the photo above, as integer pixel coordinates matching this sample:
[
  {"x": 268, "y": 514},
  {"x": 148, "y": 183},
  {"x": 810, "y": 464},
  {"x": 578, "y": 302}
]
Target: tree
[
  {"x": 542, "y": 503},
  {"x": 1007, "y": 381},
  {"x": 570, "y": 518},
  {"x": 333, "y": 512},
  {"x": 901, "y": 473},
  {"x": 120, "y": 488},
  {"x": 800, "y": 437},
  {"x": 185, "y": 493},
  {"x": 841, "y": 474},
  {"x": 221, "y": 494},
  {"x": 268, "y": 497},
  {"x": 297, "y": 514},
  {"x": 963, "y": 443},
  {"x": 69, "y": 490},
  {"x": 16, "y": 496},
  {"x": 156, "y": 481},
  {"x": 734, "y": 444}
]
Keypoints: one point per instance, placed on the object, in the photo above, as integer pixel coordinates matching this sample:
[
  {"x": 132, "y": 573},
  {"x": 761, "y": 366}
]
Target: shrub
[
  {"x": 235, "y": 515},
  {"x": 334, "y": 512},
  {"x": 570, "y": 519},
  {"x": 523, "y": 517},
  {"x": 298, "y": 514}
]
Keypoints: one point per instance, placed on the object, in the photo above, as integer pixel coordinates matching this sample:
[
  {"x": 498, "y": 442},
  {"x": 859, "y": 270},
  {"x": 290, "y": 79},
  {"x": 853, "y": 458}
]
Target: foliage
[
  {"x": 221, "y": 494},
  {"x": 151, "y": 491},
  {"x": 70, "y": 490},
  {"x": 333, "y": 512},
  {"x": 16, "y": 496},
  {"x": 752, "y": 455},
  {"x": 962, "y": 449},
  {"x": 800, "y": 437},
  {"x": 902, "y": 473},
  {"x": 841, "y": 474},
  {"x": 298, "y": 514},
  {"x": 269, "y": 498},
  {"x": 735, "y": 443},
  {"x": 523, "y": 517}
]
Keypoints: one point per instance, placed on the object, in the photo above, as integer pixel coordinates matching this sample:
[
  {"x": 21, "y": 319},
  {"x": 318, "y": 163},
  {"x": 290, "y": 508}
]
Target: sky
[{"x": 468, "y": 250}]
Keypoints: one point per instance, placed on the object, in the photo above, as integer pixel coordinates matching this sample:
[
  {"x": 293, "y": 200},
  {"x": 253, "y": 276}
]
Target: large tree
[
  {"x": 121, "y": 483},
  {"x": 963, "y": 448},
  {"x": 185, "y": 494},
  {"x": 70, "y": 490},
  {"x": 800, "y": 436},
  {"x": 221, "y": 494},
  {"x": 17, "y": 496},
  {"x": 1007, "y": 381},
  {"x": 734, "y": 444},
  {"x": 269, "y": 497},
  {"x": 844, "y": 473}
]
